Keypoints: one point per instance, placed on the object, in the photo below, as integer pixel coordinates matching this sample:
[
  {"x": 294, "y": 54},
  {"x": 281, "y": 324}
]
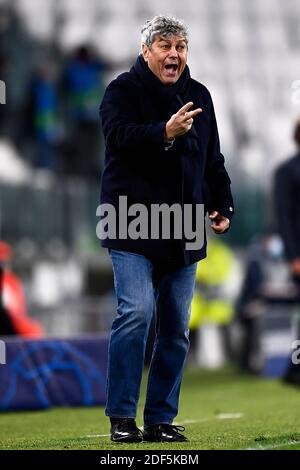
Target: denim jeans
[{"x": 138, "y": 286}]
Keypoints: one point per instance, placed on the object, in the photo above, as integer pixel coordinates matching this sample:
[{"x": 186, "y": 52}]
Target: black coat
[
  {"x": 134, "y": 112},
  {"x": 287, "y": 205}
]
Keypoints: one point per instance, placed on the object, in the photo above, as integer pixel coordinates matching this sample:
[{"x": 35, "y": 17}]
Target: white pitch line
[
  {"x": 192, "y": 421},
  {"x": 230, "y": 415},
  {"x": 274, "y": 446},
  {"x": 220, "y": 416}
]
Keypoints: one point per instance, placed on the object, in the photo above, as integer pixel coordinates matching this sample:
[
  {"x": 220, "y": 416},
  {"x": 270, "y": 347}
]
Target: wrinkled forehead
[{"x": 174, "y": 38}]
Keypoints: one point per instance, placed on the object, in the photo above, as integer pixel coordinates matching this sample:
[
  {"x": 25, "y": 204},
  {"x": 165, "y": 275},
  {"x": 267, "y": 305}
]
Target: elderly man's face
[{"x": 166, "y": 58}]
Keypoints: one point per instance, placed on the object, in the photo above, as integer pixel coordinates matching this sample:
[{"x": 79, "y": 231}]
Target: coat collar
[
  {"x": 165, "y": 93},
  {"x": 168, "y": 98}
]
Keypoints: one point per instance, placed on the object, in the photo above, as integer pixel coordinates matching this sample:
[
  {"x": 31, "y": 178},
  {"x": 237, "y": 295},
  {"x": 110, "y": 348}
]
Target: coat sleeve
[
  {"x": 216, "y": 176},
  {"x": 284, "y": 205},
  {"x": 121, "y": 124}
]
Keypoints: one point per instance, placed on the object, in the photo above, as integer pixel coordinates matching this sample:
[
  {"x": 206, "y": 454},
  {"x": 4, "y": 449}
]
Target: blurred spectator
[
  {"x": 14, "y": 319},
  {"x": 211, "y": 307},
  {"x": 6, "y": 326},
  {"x": 264, "y": 282},
  {"x": 287, "y": 209},
  {"x": 43, "y": 115},
  {"x": 83, "y": 86}
]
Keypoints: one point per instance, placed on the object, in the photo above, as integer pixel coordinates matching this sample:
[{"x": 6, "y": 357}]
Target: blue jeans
[{"x": 137, "y": 292}]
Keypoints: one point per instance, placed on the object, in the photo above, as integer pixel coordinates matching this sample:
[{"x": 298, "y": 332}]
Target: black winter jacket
[
  {"x": 287, "y": 205},
  {"x": 134, "y": 112}
]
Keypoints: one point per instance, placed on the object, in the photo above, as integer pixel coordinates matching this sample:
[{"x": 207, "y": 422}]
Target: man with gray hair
[{"x": 162, "y": 147}]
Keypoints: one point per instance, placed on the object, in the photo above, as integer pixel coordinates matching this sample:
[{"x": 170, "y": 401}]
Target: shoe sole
[
  {"x": 165, "y": 440},
  {"x": 128, "y": 440}
]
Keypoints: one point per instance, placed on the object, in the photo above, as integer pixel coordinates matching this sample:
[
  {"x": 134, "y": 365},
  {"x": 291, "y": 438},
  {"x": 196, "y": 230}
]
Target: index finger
[
  {"x": 193, "y": 113},
  {"x": 184, "y": 108}
]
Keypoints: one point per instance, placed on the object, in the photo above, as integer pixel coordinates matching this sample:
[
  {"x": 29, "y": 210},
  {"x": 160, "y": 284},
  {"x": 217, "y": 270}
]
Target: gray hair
[{"x": 164, "y": 26}]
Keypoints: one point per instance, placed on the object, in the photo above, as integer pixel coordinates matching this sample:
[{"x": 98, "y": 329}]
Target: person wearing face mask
[
  {"x": 287, "y": 209},
  {"x": 162, "y": 147},
  {"x": 264, "y": 280}
]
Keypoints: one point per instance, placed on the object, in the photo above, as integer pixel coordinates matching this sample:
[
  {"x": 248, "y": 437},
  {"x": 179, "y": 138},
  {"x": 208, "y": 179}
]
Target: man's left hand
[{"x": 219, "y": 222}]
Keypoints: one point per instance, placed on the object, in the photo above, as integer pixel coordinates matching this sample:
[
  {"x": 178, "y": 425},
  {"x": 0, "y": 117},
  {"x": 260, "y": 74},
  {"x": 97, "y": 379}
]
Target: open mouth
[{"x": 171, "y": 67}]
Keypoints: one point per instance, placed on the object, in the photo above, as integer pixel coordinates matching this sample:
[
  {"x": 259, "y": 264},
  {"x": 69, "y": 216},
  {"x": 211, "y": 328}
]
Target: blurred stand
[
  {"x": 51, "y": 115},
  {"x": 67, "y": 276},
  {"x": 56, "y": 57},
  {"x": 51, "y": 157}
]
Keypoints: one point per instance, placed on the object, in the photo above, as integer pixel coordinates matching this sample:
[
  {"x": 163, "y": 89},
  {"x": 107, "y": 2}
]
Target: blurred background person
[
  {"x": 264, "y": 283},
  {"x": 14, "y": 319},
  {"x": 6, "y": 325},
  {"x": 212, "y": 307},
  {"x": 42, "y": 116},
  {"x": 83, "y": 87},
  {"x": 287, "y": 211}
]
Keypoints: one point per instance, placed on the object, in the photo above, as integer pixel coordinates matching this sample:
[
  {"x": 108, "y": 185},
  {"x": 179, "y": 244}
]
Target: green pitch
[{"x": 220, "y": 410}]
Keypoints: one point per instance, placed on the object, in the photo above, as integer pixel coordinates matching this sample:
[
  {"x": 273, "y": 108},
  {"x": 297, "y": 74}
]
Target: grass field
[{"x": 219, "y": 409}]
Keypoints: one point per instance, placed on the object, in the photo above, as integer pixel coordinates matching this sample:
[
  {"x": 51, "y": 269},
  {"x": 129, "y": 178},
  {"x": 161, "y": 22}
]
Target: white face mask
[{"x": 275, "y": 247}]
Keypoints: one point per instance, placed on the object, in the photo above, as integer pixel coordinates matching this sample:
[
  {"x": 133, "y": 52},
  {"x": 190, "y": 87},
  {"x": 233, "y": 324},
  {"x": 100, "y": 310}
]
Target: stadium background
[{"x": 246, "y": 53}]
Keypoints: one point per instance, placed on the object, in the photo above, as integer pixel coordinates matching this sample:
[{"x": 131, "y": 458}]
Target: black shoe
[
  {"x": 164, "y": 433},
  {"x": 125, "y": 430}
]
